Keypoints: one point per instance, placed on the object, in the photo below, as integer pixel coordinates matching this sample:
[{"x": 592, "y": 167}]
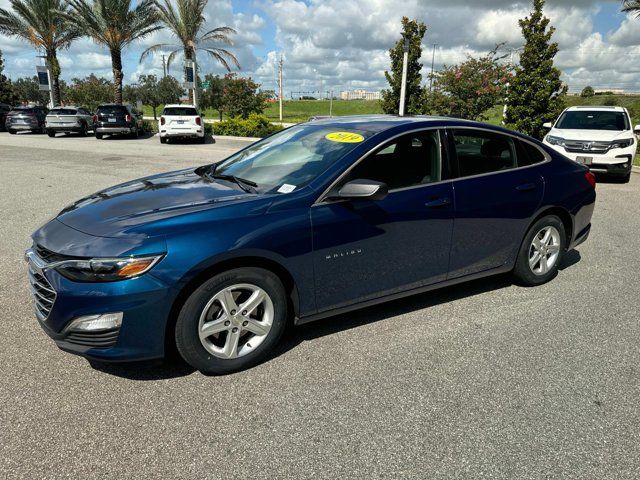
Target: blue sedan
[{"x": 319, "y": 219}]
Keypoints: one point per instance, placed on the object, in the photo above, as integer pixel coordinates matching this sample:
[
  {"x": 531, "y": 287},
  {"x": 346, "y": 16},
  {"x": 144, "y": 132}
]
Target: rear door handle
[
  {"x": 438, "y": 202},
  {"x": 526, "y": 187}
]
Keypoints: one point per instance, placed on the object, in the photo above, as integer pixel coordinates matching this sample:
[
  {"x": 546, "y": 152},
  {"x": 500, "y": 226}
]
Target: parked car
[
  {"x": 321, "y": 218},
  {"x": 68, "y": 120},
  {"x": 4, "y": 110},
  {"x": 113, "y": 119},
  {"x": 180, "y": 121},
  {"x": 601, "y": 138},
  {"x": 26, "y": 119}
]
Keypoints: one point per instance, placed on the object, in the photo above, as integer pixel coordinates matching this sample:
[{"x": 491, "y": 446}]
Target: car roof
[
  {"x": 596, "y": 108},
  {"x": 66, "y": 106},
  {"x": 379, "y": 123},
  {"x": 178, "y": 105}
]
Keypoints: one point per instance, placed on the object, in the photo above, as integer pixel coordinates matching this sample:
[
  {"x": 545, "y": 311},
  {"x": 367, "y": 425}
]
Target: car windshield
[
  {"x": 63, "y": 111},
  {"x": 593, "y": 120},
  {"x": 180, "y": 111},
  {"x": 292, "y": 158}
]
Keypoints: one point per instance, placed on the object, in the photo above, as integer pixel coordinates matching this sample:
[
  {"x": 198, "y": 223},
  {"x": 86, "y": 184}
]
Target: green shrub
[
  {"x": 208, "y": 129},
  {"x": 150, "y": 126},
  {"x": 253, "y": 126},
  {"x": 610, "y": 102}
]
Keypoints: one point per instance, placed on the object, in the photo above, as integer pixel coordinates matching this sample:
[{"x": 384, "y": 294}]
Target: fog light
[{"x": 94, "y": 323}]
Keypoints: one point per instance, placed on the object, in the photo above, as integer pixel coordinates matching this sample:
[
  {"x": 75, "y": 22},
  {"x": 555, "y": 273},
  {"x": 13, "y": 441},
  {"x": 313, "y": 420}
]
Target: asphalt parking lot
[{"x": 485, "y": 380}]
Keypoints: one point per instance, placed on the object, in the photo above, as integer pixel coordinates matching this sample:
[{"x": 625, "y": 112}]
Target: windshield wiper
[{"x": 208, "y": 171}]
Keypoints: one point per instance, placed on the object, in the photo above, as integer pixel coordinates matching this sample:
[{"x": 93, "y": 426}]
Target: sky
[{"x": 343, "y": 45}]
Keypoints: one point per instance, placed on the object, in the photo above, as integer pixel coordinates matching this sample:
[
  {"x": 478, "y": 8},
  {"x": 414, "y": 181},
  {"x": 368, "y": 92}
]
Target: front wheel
[
  {"x": 99, "y": 136},
  {"x": 12, "y": 131},
  {"x": 51, "y": 133},
  {"x": 541, "y": 252},
  {"x": 232, "y": 321}
]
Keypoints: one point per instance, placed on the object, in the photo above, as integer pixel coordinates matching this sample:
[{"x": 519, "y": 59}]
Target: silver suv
[{"x": 67, "y": 120}]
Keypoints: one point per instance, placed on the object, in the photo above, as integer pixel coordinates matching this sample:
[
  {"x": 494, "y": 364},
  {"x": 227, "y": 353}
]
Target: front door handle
[
  {"x": 438, "y": 202},
  {"x": 526, "y": 187}
]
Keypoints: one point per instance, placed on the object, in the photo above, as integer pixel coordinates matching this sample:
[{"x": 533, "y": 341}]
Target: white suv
[
  {"x": 600, "y": 137},
  {"x": 180, "y": 121}
]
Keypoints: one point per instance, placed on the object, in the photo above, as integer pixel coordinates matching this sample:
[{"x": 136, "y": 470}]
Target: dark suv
[
  {"x": 26, "y": 118},
  {"x": 4, "y": 111},
  {"x": 113, "y": 119}
]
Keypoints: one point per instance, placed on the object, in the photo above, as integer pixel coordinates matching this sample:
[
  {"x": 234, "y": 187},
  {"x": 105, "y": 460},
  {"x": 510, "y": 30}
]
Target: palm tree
[
  {"x": 186, "y": 20},
  {"x": 36, "y": 22},
  {"x": 631, "y": 6},
  {"x": 114, "y": 24}
]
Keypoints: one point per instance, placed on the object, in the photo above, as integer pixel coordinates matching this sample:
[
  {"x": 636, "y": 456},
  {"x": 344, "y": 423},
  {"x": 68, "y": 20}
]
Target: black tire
[
  {"x": 522, "y": 271},
  {"x": 187, "y": 338},
  {"x": 99, "y": 136},
  {"x": 202, "y": 140},
  {"x": 163, "y": 139},
  {"x": 12, "y": 131},
  {"x": 626, "y": 178},
  {"x": 134, "y": 133},
  {"x": 51, "y": 133},
  {"x": 83, "y": 130}
]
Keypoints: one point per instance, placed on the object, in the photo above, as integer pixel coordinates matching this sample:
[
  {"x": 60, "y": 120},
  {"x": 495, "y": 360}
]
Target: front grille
[
  {"x": 576, "y": 146},
  {"x": 44, "y": 296},
  {"x": 102, "y": 339},
  {"x": 50, "y": 257}
]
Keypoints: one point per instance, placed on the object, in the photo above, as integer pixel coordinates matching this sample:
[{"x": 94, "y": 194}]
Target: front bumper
[
  {"x": 145, "y": 302},
  {"x": 615, "y": 162}
]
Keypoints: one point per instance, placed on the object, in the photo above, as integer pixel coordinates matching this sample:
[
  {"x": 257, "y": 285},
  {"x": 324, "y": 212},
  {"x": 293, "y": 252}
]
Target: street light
[{"x": 403, "y": 86}]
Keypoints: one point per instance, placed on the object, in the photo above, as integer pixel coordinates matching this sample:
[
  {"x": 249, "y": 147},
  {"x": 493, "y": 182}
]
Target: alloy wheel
[
  {"x": 544, "y": 250},
  {"x": 235, "y": 321}
]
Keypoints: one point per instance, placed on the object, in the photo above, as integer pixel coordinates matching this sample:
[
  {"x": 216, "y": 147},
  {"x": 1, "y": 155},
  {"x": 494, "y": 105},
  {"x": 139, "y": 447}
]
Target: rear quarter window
[{"x": 529, "y": 154}]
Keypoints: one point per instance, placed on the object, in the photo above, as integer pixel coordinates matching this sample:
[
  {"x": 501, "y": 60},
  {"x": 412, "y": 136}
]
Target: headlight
[
  {"x": 627, "y": 142},
  {"x": 106, "y": 269},
  {"x": 555, "y": 140}
]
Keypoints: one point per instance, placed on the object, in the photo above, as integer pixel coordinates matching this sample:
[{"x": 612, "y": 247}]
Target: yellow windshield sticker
[{"x": 344, "y": 137}]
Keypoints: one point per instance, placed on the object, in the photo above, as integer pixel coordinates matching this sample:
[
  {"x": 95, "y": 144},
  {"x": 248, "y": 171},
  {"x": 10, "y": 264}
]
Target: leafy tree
[
  {"x": 469, "y": 89},
  {"x": 631, "y": 6},
  {"x": 587, "y": 92},
  {"x": 89, "y": 92},
  {"x": 6, "y": 89},
  {"x": 537, "y": 94},
  {"x": 414, "y": 32},
  {"x": 36, "y": 22},
  {"x": 212, "y": 96},
  {"x": 154, "y": 92},
  {"x": 240, "y": 96},
  {"x": 185, "y": 20},
  {"x": 115, "y": 25},
  {"x": 27, "y": 90}
]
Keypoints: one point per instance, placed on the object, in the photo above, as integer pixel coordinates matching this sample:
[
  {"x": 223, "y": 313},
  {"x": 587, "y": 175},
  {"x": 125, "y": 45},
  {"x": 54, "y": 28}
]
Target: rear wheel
[
  {"x": 163, "y": 139},
  {"x": 83, "y": 130},
  {"x": 202, "y": 140},
  {"x": 232, "y": 321},
  {"x": 99, "y": 136},
  {"x": 134, "y": 133},
  {"x": 51, "y": 133},
  {"x": 541, "y": 252},
  {"x": 12, "y": 131}
]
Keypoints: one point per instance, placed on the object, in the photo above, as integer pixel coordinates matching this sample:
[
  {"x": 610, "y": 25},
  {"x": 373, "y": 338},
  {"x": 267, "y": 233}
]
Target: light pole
[
  {"x": 433, "y": 61},
  {"x": 403, "y": 86}
]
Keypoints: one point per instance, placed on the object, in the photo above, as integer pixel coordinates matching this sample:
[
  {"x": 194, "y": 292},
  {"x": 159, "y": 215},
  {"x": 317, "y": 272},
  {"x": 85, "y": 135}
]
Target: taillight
[
  {"x": 95, "y": 119},
  {"x": 591, "y": 178},
  {"x": 128, "y": 118},
  {"x": 162, "y": 120},
  {"x": 198, "y": 121}
]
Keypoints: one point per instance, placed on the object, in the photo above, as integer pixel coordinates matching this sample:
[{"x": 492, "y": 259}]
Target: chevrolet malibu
[{"x": 319, "y": 219}]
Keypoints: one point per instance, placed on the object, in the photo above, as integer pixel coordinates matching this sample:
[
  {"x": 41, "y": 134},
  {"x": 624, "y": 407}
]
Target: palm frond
[
  {"x": 223, "y": 56},
  {"x": 155, "y": 48},
  {"x": 631, "y": 6},
  {"x": 172, "y": 57}
]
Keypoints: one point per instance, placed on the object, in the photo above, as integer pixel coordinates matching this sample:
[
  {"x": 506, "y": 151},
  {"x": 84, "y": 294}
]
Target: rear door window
[
  {"x": 183, "y": 111},
  {"x": 479, "y": 152}
]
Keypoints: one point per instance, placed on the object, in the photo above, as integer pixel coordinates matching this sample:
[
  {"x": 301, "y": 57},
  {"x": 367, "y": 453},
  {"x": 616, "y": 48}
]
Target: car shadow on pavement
[{"x": 294, "y": 336}]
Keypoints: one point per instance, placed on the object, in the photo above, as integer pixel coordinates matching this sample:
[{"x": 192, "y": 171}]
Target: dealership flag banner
[{"x": 43, "y": 78}]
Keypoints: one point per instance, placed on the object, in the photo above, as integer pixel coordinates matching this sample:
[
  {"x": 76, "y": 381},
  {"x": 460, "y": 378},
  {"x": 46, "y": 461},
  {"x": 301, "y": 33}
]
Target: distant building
[
  {"x": 612, "y": 91},
  {"x": 359, "y": 95}
]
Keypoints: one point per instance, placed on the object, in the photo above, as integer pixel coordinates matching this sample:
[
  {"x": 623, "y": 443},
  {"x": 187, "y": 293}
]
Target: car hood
[
  {"x": 116, "y": 210},
  {"x": 591, "y": 135}
]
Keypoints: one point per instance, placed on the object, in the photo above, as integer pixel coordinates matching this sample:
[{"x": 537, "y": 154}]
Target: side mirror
[
  {"x": 548, "y": 125},
  {"x": 362, "y": 189},
  {"x": 636, "y": 129}
]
